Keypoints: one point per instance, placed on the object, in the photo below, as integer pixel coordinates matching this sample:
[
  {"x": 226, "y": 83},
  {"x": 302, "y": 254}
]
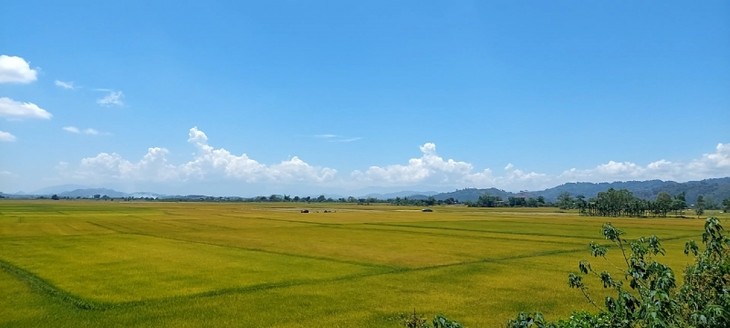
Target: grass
[{"x": 77, "y": 263}]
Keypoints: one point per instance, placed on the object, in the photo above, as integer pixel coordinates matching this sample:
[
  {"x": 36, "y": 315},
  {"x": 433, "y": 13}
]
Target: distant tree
[
  {"x": 726, "y": 205},
  {"x": 700, "y": 206},
  {"x": 540, "y": 201},
  {"x": 321, "y": 198},
  {"x": 565, "y": 202},
  {"x": 663, "y": 204},
  {"x": 430, "y": 201},
  {"x": 55, "y": 197},
  {"x": 581, "y": 204},
  {"x": 488, "y": 201},
  {"x": 516, "y": 201},
  {"x": 679, "y": 203},
  {"x": 450, "y": 201}
]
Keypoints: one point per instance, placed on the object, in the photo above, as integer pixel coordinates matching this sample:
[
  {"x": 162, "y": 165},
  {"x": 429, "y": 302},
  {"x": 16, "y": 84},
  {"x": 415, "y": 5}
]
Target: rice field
[{"x": 143, "y": 264}]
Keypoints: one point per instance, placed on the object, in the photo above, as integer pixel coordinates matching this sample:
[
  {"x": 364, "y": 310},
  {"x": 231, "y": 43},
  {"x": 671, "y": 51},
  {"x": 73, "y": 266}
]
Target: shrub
[
  {"x": 415, "y": 320},
  {"x": 652, "y": 298}
]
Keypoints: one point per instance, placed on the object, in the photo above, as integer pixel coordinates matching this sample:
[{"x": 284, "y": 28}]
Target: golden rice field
[{"x": 143, "y": 264}]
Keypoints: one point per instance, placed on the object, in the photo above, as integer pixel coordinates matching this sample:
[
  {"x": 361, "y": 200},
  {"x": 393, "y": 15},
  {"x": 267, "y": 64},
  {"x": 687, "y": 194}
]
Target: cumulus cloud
[
  {"x": 6, "y": 137},
  {"x": 112, "y": 98},
  {"x": 515, "y": 178},
  {"x": 430, "y": 168},
  {"x": 713, "y": 164},
  {"x": 220, "y": 161},
  {"x": 19, "y": 110},
  {"x": 208, "y": 163},
  {"x": 15, "y": 69},
  {"x": 709, "y": 165},
  {"x": 65, "y": 85},
  {"x": 104, "y": 167}
]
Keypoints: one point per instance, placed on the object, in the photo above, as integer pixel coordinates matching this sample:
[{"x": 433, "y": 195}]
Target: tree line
[
  {"x": 622, "y": 202},
  {"x": 612, "y": 202}
]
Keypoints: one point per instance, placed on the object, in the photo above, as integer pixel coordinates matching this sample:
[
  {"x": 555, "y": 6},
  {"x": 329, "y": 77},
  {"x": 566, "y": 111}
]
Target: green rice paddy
[{"x": 122, "y": 264}]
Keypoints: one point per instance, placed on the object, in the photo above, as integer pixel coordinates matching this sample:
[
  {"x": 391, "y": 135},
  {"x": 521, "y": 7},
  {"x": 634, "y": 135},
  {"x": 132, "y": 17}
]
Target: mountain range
[
  {"x": 711, "y": 189},
  {"x": 715, "y": 190}
]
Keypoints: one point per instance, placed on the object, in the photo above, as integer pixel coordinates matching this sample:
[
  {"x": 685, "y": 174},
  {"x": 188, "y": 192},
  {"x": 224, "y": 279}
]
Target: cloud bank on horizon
[{"x": 429, "y": 170}]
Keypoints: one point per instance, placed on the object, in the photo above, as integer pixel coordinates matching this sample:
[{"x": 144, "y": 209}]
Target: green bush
[
  {"x": 415, "y": 320},
  {"x": 652, "y": 298}
]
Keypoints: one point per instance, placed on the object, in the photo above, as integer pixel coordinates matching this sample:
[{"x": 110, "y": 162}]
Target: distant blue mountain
[{"x": 712, "y": 189}]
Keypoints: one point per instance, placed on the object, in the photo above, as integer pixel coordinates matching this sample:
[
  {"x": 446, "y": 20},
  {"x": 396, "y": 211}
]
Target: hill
[
  {"x": 712, "y": 189},
  {"x": 472, "y": 194}
]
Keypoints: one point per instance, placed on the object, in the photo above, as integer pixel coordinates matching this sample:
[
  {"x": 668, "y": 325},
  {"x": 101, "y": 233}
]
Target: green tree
[
  {"x": 700, "y": 206},
  {"x": 430, "y": 201},
  {"x": 565, "y": 202},
  {"x": 646, "y": 293},
  {"x": 540, "y": 201},
  {"x": 516, "y": 201},
  {"x": 663, "y": 204},
  {"x": 679, "y": 204},
  {"x": 489, "y": 200},
  {"x": 726, "y": 205},
  {"x": 415, "y": 320}
]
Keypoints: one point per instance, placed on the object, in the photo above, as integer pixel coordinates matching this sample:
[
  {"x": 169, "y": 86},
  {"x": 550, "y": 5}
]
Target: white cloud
[
  {"x": 711, "y": 165},
  {"x": 611, "y": 171},
  {"x": 65, "y": 85},
  {"x": 72, "y": 129},
  {"x": 7, "y": 174},
  {"x": 210, "y": 160},
  {"x": 209, "y": 163},
  {"x": 87, "y": 131},
  {"x": 105, "y": 167},
  {"x": 515, "y": 178},
  {"x": 336, "y": 138},
  {"x": 112, "y": 98},
  {"x": 91, "y": 131},
  {"x": 7, "y": 137},
  {"x": 430, "y": 168},
  {"x": 15, "y": 69},
  {"x": 19, "y": 110}
]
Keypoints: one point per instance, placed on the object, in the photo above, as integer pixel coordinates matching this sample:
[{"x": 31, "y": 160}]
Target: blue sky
[{"x": 338, "y": 97}]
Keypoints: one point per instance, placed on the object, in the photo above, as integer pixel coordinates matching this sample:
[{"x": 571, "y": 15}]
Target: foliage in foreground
[
  {"x": 652, "y": 298},
  {"x": 415, "y": 320}
]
